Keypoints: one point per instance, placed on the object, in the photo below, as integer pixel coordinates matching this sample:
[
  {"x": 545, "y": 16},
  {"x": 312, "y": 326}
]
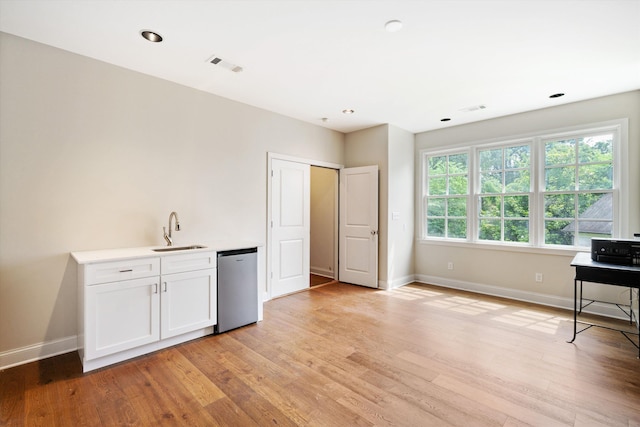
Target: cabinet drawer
[
  {"x": 188, "y": 262},
  {"x": 114, "y": 271}
]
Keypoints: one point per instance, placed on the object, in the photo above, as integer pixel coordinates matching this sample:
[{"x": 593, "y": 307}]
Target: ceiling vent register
[
  {"x": 474, "y": 108},
  {"x": 215, "y": 60}
]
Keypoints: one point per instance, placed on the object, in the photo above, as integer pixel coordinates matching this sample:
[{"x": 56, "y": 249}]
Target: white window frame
[
  {"x": 477, "y": 194},
  {"x": 620, "y": 191},
  {"x": 424, "y": 189}
]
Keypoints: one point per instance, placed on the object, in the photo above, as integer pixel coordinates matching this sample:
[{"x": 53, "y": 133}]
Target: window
[
  {"x": 550, "y": 190},
  {"x": 447, "y": 178},
  {"x": 505, "y": 185},
  {"x": 578, "y": 189}
]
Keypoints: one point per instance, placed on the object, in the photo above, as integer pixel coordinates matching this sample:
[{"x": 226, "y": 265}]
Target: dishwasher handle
[{"x": 237, "y": 252}]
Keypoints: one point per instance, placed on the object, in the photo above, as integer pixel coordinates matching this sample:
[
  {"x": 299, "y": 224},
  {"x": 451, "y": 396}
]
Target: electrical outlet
[
  {"x": 450, "y": 265},
  {"x": 539, "y": 277}
]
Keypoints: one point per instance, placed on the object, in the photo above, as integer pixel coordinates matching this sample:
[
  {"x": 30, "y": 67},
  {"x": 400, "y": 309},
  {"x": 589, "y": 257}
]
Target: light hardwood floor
[{"x": 342, "y": 355}]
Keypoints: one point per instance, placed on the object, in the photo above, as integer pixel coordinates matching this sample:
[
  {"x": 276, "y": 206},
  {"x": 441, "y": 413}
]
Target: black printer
[{"x": 616, "y": 251}]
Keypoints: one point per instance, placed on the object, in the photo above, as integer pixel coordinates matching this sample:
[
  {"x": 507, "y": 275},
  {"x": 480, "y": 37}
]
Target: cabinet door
[
  {"x": 188, "y": 302},
  {"x": 121, "y": 315}
]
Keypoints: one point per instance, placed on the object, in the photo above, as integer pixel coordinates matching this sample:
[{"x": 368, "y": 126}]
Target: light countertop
[{"x": 88, "y": 257}]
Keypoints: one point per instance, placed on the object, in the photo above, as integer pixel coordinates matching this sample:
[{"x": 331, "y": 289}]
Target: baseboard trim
[
  {"x": 396, "y": 283},
  {"x": 322, "y": 272},
  {"x": 606, "y": 310},
  {"x": 43, "y": 350}
]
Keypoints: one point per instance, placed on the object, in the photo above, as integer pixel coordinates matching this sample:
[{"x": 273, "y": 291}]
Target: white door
[
  {"x": 359, "y": 226},
  {"x": 290, "y": 226}
]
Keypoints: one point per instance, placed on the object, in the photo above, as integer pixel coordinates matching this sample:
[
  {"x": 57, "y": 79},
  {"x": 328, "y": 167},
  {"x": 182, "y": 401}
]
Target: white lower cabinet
[
  {"x": 188, "y": 302},
  {"x": 122, "y": 315}
]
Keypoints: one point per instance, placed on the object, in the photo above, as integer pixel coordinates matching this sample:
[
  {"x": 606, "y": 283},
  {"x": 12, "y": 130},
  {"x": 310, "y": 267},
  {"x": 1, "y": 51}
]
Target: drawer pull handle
[
  {"x": 126, "y": 271},
  {"x": 165, "y": 286},
  {"x": 155, "y": 288}
]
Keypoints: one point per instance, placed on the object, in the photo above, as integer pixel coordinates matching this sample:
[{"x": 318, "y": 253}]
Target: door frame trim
[{"x": 311, "y": 162}]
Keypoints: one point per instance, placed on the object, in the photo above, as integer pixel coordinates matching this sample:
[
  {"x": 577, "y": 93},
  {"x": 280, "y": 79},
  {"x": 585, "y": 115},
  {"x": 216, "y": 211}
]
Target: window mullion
[
  {"x": 537, "y": 196},
  {"x": 473, "y": 197}
]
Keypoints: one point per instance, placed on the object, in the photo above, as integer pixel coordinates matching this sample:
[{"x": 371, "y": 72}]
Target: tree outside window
[
  {"x": 446, "y": 197},
  {"x": 578, "y": 185},
  {"x": 505, "y": 184},
  {"x": 558, "y": 189}
]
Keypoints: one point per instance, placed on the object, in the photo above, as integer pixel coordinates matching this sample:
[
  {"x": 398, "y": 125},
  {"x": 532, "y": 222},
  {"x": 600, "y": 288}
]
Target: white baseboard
[
  {"x": 322, "y": 272},
  {"x": 607, "y": 310},
  {"x": 396, "y": 283},
  {"x": 31, "y": 353}
]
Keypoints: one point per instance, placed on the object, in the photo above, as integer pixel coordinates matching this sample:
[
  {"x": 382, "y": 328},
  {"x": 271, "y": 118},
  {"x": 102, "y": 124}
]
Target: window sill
[{"x": 548, "y": 250}]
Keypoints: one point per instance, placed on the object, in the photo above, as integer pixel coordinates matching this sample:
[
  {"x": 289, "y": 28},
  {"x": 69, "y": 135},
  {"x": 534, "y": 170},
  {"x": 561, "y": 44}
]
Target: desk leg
[
  {"x": 631, "y": 307},
  {"x": 580, "y": 305},
  {"x": 575, "y": 309}
]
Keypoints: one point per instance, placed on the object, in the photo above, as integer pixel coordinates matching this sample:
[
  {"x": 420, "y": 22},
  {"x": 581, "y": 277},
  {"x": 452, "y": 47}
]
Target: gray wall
[
  {"x": 392, "y": 149},
  {"x": 94, "y": 156},
  {"x": 400, "y": 242},
  {"x": 368, "y": 147},
  {"x": 512, "y": 273}
]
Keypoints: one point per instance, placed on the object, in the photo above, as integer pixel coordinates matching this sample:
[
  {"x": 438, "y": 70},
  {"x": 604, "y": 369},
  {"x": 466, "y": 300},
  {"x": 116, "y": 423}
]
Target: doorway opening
[
  {"x": 349, "y": 247},
  {"x": 323, "y": 226}
]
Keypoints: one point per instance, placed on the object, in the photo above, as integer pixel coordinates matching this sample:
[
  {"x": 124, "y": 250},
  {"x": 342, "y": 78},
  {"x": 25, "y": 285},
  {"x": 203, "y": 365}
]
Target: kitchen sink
[{"x": 179, "y": 248}]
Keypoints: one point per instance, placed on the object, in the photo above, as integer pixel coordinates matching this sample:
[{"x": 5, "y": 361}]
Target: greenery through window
[
  {"x": 578, "y": 184},
  {"x": 446, "y": 200},
  {"x": 545, "y": 191},
  {"x": 505, "y": 183}
]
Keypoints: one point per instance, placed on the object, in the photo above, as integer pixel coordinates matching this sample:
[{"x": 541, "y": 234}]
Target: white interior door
[
  {"x": 290, "y": 227},
  {"x": 359, "y": 226}
]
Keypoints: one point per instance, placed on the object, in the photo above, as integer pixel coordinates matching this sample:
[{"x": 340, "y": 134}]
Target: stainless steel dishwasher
[{"x": 237, "y": 289}]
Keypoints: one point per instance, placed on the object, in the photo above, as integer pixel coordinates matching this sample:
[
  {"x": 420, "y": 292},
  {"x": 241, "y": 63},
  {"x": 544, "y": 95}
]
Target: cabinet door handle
[
  {"x": 155, "y": 288},
  {"x": 126, "y": 271},
  {"x": 165, "y": 286}
]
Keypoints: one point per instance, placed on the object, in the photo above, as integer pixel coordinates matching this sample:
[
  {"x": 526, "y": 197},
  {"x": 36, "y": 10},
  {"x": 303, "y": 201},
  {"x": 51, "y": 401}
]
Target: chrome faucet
[{"x": 167, "y": 237}]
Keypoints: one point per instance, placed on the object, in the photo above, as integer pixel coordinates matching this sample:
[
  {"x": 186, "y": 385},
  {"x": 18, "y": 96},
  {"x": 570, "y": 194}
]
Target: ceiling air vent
[
  {"x": 215, "y": 60},
  {"x": 474, "y": 108}
]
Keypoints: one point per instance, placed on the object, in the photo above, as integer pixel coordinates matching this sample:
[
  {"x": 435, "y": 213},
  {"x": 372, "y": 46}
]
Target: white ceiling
[{"x": 312, "y": 59}]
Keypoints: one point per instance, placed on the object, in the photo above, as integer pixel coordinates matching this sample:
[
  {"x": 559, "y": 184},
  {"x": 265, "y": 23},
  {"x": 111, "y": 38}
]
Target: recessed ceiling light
[
  {"x": 556, "y": 95},
  {"x": 446, "y": 119},
  {"x": 393, "y": 26},
  {"x": 151, "y": 36},
  {"x": 348, "y": 111}
]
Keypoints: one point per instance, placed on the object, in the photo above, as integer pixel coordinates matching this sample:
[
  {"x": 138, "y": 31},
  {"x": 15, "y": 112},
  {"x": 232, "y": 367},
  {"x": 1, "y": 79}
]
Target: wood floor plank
[
  {"x": 340, "y": 355},
  {"x": 525, "y": 413},
  {"x": 306, "y": 385},
  {"x": 12, "y": 395},
  {"x": 201, "y": 388},
  {"x": 448, "y": 406}
]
